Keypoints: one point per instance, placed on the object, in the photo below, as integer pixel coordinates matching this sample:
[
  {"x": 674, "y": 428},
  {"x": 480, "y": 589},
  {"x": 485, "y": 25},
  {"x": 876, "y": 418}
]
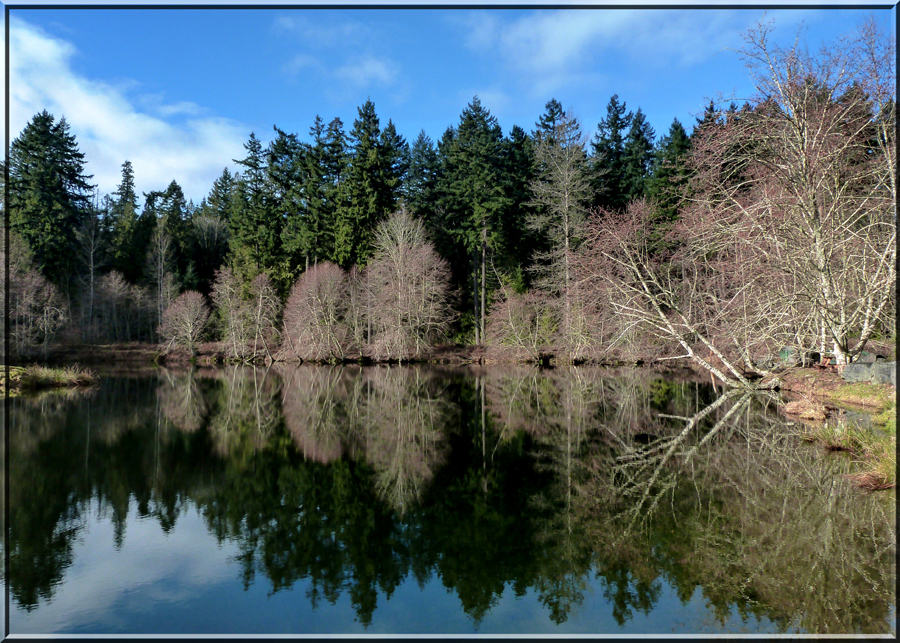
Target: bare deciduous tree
[
  {"x": 184, "y": 321},
  {"x": 794, "y": 198},
  {"x": 789, "y": 236},
  {"x": 651, "y": 290},
  {"x": 314, "y": 316},
  {"x": 561, "y": 192},
  {"x": 522, "y": 326},
  {"x": 90, "y": 238},
  {"x": 160, "y": 262},
  {"x": 410, "y": 289},
  {"x": 265, "y": 307},
  {"x": 37, "y": 309}
]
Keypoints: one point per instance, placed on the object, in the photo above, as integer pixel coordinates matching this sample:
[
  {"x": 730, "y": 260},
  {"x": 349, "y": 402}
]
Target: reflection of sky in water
[{"x": 186, "y": 583}]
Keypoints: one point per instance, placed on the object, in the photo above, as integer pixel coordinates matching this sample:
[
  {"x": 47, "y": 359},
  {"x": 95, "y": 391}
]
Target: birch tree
[{"x": 804, "y": 183}]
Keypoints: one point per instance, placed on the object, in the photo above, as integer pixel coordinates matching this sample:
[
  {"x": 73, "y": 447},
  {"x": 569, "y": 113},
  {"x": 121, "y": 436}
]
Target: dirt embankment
[{"x": 815, "y": 393}]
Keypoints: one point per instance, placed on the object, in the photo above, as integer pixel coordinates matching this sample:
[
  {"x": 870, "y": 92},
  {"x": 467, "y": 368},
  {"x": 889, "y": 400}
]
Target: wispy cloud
[
  {"x": 301, "y": 62},
  {"x": 110, "y": 127},
  {"x": 319, "y": 33},
  {"x": 368, "y": 71},
  {"x": 549, "y": 50}
]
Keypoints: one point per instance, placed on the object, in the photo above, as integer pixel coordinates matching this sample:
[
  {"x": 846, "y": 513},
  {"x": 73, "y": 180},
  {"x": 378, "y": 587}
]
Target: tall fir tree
[
  {"x": 547, "y": 122},
  {"x": 419, "y": 190},
  {"x": 395, "y": 165},
  {"x": 286, "y": 169},
  {"x": 255, "y": 234},
  {"x": 637, "y": 157},
  {"x": 372, "y": 186},
  {"x": 49, "y": 194},
  {"x": 124, "y": 228},
  {"x": 669, "y": 174},
  {"x": 336, "y": 165},
  {"x": 609, "y": 156},
  {"x": 518, "y": 172},
  {"x": 474, "y": 196}
]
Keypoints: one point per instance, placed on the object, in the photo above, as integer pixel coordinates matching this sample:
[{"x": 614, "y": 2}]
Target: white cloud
[
  {"x": 550, "y": 50},
  {"x": 368, "y": 71},
  {"x": 300, "y": 62},
  {"x": 104, "y": 586},
  {"x": 322, "y": 34},
  {"x": 110, "y": 128}
]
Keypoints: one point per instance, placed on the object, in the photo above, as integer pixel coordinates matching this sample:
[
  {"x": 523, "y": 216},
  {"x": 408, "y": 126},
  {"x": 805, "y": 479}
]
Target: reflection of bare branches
[
  {"x": 405, "y": 414},
  {"x": 247, "y": 411},
  {"x": 317, "y": 407},
  {"x": 634, "y": 464},
  {"x": 181, "y": 400}
]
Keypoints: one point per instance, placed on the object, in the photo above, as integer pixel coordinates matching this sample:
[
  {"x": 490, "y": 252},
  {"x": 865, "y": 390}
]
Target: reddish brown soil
[{"x": 819, "y": 383}]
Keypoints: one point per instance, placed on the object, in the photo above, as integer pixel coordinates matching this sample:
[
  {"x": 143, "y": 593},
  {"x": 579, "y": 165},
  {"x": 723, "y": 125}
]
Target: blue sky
[{"x": 178, "y": 92}]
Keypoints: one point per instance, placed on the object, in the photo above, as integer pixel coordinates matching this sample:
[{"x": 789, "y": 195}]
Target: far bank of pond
[{"x": 315, "y": 499}]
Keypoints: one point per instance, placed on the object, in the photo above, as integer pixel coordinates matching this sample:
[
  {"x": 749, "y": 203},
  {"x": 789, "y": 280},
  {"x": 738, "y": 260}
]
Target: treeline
[
  {"x": 770, "y": 225},
  {"x": 118, "y": 264}
]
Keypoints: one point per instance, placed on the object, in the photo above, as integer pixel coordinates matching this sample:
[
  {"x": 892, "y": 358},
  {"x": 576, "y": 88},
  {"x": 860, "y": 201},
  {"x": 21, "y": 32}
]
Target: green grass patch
[
  {"x": 37, "y": 377},
  {"x": 876, "y": 393},
  {"x": 875, "y": 450},
  {"x": 887, "y": 419}
]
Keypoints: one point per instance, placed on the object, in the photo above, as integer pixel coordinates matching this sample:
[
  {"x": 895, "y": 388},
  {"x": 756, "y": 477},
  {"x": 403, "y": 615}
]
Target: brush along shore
[
  {"x": 825, "y": 403},
  {"x": 37, "y": 377}
]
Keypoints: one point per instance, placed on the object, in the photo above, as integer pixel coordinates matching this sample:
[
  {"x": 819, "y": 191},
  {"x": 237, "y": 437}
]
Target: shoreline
[{"x": 816, "y": 397}]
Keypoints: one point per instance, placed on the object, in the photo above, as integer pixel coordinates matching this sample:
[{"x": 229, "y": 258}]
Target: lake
[{"x": 313, "y": 499}]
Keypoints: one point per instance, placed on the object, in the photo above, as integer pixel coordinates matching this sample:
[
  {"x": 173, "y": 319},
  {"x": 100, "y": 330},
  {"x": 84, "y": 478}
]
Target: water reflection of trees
[
  {"x": 74, "y": 457},
  {"x": 493, "y": 481},
  {"x": 731, "y": 501}
]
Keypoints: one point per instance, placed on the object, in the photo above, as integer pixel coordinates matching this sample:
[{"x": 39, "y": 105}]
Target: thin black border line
[
  {"x": 473, "y": 6},
  {"x": 6, "y": 331}
]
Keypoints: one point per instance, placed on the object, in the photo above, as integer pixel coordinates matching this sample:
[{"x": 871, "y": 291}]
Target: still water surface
[{"x": 434, "y": 500}]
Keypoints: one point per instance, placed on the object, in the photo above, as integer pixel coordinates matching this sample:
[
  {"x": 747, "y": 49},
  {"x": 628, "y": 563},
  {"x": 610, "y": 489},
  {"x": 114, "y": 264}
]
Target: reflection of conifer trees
[
  {"x": 491, "y": 481},
  {"x": 73, "y": 458},
  {"x": 560, "y": 411}
]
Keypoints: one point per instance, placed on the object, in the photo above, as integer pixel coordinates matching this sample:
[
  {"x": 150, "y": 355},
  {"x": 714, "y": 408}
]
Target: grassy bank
[
  {"x": 824, "y": 394},
  {"x": 36, "y": 377}
]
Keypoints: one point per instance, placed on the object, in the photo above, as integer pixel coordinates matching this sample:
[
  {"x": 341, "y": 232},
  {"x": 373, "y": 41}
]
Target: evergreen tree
[
  {"x": 255, "y": 234},
  {"x": 669, "y": 175},
  {"x": 474, "y": 195},
  {"x": 370, "y": 192},
  {"x": 209, "y": 231},
  {"x": 49, "y": 194},
  {"x": 286, "y": 165},
  {"x": 123, "y": 228},
  {"x": 518, "y": 165},
  {"x": 548, "y": 121},
  {"x": 638, "y": 154},
  {"x": 419, "y": 190},
  {"x": 336, "y": 165},
  {"x": 710, "y": 117},
  {"x": 609, "y": 156},
  {"x": 220, "y": 198},
  {"x": 311, "y": 238}
]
